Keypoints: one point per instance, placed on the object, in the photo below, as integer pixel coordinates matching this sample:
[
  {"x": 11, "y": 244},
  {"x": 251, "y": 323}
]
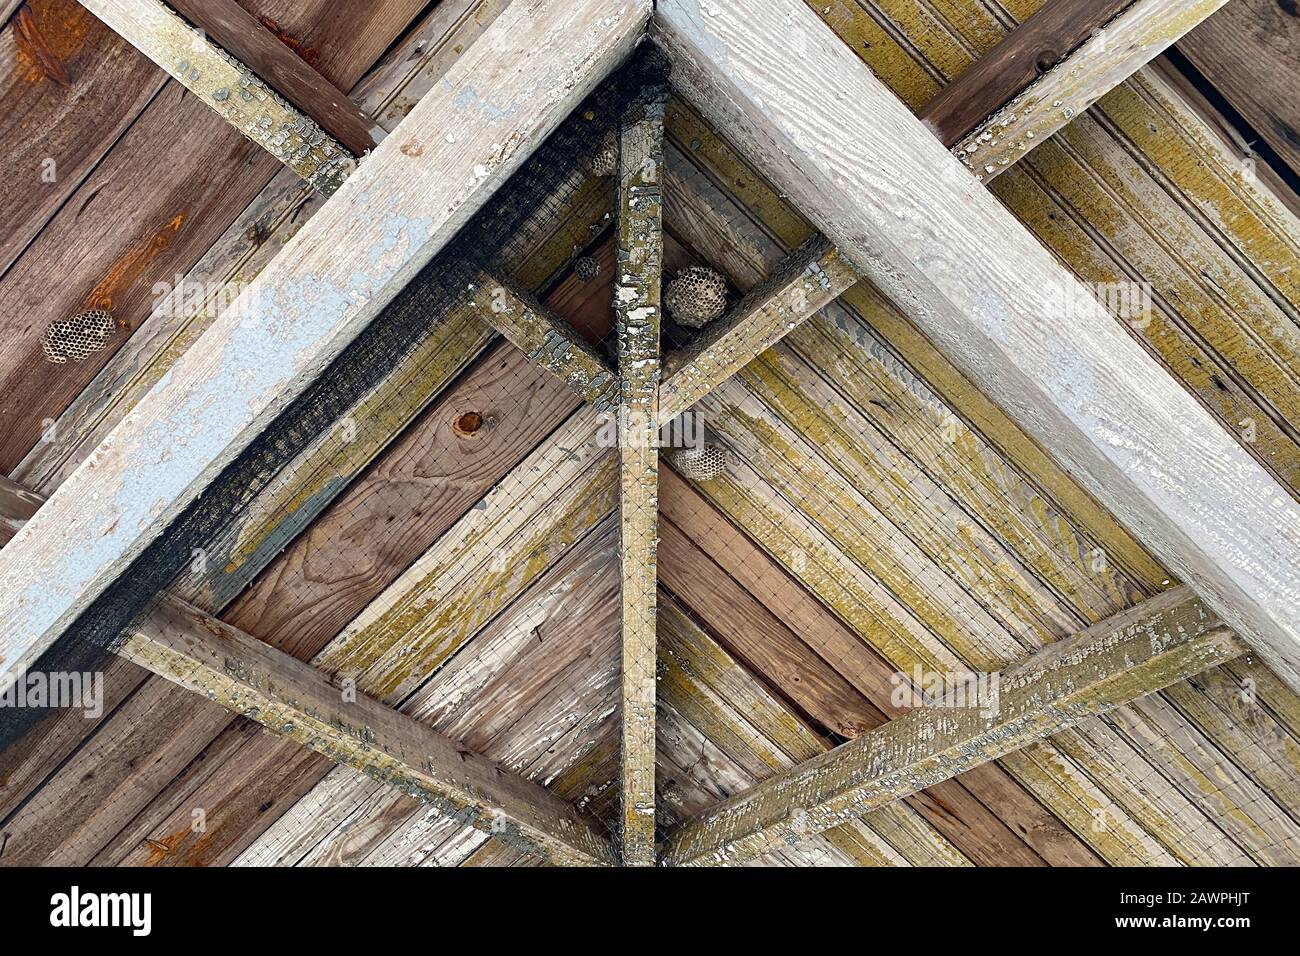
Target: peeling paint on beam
[
  {"x": 331, "y": 279},
  {"x": 637, "y": 309},
  {"x": 1160, "y": 642},
  {"x": 229, "y": 88}
]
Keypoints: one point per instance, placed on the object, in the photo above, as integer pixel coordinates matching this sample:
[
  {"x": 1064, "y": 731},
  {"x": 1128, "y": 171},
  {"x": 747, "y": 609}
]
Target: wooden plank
[
  {"x": 297, "y": 701},
  {"x": 1248, "y": 50},
  {"x": 1165, "y": 640},
  {"x": 812, "y": 276},
  {"x": 1132, "y": 39},
  {"x": 17, "y": 504},
  {"x": 245, "y": 38},
  {"x": 638, "y": 316},
  {"x": 1031, "y": 49},
  {"x": 230, "y": 88},
  {"x": 1003, "y": 310},
  {"x": 326, "y": 285}
]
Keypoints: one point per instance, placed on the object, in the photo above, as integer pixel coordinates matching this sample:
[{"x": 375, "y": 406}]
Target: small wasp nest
[
  {"x": 587, "y": 268},
  {"x": 605, "y": 161},
  {"x": 79, "y": 337},
  {"x": 703, "y": 463},
  {"x": 696, "y": 297}
]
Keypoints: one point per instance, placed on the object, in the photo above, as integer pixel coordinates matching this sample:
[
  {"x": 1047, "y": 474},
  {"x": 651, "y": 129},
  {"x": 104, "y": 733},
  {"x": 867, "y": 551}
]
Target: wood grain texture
[
  {"x": 1164, "y": 641},
  {"x": 1248, "y": 50},
  {"x": 640, "y": 248},
  {"x": 230, "y": 88},
  {"x": 305, "y": 307},
  {"x": 1032, "y": 48},
  {"x": 297, "y": 701},
  {"x": 70, "y": 88},
  {"x": 240, "y": 34},
  {"x": 969, "y": 275},
  {"x": 1112, "y": 55},
  {"x": 17, "y": 504}
]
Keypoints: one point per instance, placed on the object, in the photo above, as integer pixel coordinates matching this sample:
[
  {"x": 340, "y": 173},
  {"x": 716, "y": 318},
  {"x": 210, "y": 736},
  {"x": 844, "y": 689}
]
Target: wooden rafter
[
  {"x": 332, "y": 278},
  {"x": 189, "y": 57},
  {"x": 1110, "y": 56},
  {"x": 636, "y": 307},
  {"x": 244, "y": 37},
  {"x": 999, "y": 305},
  {"x": 295, "y": 700},
  {"x": 1160, "y": 642}
]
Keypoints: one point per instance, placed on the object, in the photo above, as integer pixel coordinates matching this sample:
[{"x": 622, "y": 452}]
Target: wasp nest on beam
[
  {"x": 702, "y": 463},
  {"x": 79, "y": 337},
  {"x": 696, "y": 297},
  {"x": 587, "y": 268},
  {"x": 605, "y": 161}
]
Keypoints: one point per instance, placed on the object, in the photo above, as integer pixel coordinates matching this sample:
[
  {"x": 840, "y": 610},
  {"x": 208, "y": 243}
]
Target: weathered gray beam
[
  {"x": 1160, "y": 642},
  {"x": 999, "y": 305},
  {"x": 637, "y": 309},
  {"x": 507, "y": 92}
]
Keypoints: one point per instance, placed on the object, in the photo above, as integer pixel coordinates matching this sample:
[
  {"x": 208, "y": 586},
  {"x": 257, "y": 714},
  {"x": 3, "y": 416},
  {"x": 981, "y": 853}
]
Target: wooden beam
[
  {"x": 1112, "y": 55},
  {"x": 637, "y": 310},
  {"x": 229, "y": 87},
  {"x": 812, "y": 276},
  {"x": 546, "y": 339},
  {"x": 1031, "y": 49},
  {"x": 296, "y": 701},
  {"x": 1004, "y": 311},
  {"x": 1160, "y": 642},
  {"x": 244, "y": 37},
  {"x": 353, "y": 257}
]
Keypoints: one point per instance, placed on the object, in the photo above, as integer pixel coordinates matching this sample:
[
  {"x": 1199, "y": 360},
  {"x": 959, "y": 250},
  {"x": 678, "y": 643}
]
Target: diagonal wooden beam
[
  {"x": 999, "y": 305},
  {"x": 637, "y": 310},
  {"x": 296, "y": 701},
  {"x": 546, "y": 339},
  {"x": 501, "y": 99},
  {"x": 1030, "y": 50},
  {"x": 1110, "y": 56},
  {"x": 812, "y": 276},
  {"x": 229, "y": 87},
  {"x": 992, "y": 116},
  {"x": 1160, "y": 642},
  {"x": 244, "y": 37}
]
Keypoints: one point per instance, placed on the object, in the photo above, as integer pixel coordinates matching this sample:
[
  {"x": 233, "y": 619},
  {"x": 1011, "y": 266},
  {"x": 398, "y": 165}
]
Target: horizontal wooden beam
[
  {"x": 244, "y": 37},
  {"x": 1160, "y": 642},
  {"x": 502, "y": 98},
  {"x": 230, "y": 88},
  {"x": 1031, "y": 49},
  {"x": 1110, "y": 56},
  {"x": 999, "y": 305},
  {"x": 812, "y": 276},
  {"x": 295, "y": 700},
  {"x": 546, "y": 339}
]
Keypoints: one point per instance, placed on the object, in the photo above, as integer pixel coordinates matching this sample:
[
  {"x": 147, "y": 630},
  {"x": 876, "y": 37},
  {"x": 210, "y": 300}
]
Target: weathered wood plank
[
  {"x": 245, "y": 38},
  {"x": 638, "y": 316},
  {"x": 1248, "y": 50},
  {"x": 1132, "y": 39},
  {"x": 1202, "y": 503},
  {"x": 17, "y": 504},
  {"x": 1166, "y": 640},
  {"x": 813, "y": 275},
  {"x": 1034, "y": 47},
  {"x": 297, "y": 701},
  {"x": 303, "y": 310}
]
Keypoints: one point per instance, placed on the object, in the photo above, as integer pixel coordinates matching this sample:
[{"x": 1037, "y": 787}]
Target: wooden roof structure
[{"x": 990, "y": 554}]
